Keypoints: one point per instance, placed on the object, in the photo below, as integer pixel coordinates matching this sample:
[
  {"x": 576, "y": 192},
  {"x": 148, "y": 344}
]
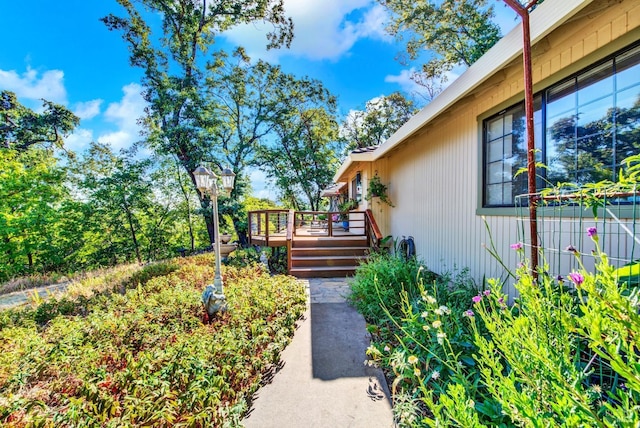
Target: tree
[
  {"x": 120, "y": 194},
  {"x": 31, "y": 193},
  {"x": 457, "y": 32},
  {"x": 381, "y": 118},
  {"x": 175, "y": 68},
  {"x": 21, "y": 127},
  {"x": 303, "y": 160}
]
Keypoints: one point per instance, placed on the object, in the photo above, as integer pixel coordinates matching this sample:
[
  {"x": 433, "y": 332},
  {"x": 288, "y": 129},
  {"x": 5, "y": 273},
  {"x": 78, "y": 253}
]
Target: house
[{"x": 453, "y": 165}]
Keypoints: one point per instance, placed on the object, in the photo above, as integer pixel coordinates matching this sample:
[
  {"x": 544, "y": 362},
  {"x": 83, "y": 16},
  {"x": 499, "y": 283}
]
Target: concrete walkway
[
  {"x": 22, "y": 297},
  {"x": 324, "y": 382}
]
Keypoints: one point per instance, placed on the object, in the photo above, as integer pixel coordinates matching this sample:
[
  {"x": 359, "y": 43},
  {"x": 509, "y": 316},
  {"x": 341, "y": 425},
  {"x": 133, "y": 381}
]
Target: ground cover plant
[{"x": 144, "y": 352}]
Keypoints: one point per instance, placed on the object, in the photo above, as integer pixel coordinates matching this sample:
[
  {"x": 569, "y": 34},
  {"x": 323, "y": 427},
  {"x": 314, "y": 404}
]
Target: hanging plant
[
  {"x": 346, "y": 206},
  {"x": 377, "y": 190}
]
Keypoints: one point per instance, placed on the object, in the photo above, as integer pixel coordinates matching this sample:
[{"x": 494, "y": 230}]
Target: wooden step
[
  {"x": 332, "y": 260},
  {"x": 326, "y": 241},
  {"x": 329, "y": 251},
  {"x": 323, "y": 272}
]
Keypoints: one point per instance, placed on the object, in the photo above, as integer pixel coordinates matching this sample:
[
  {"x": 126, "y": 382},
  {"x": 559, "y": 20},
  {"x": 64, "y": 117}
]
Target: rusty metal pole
[{"x": 523, "y": 12}]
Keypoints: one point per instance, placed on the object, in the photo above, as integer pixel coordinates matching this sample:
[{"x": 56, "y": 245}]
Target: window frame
[{"x": 517, "y": 102}]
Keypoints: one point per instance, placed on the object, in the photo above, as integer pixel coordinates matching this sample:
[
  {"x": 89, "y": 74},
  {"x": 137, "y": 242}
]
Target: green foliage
[
  {"x": 22, "y": 128},
  {"x": 303, "y": 162},
  {"x": 376, "y": 189},
  {"x": 381, "y": 117},
  {"x": 382, "y": 279},
  {"x": 203, "y": 107},
  {"x": 423, "y": 341},
  {"x": 146, "y": 357},
  {"x": 561, "y": 357},
  {"x": 457, "y": 32},
  {"x": 32, "y": 202}
]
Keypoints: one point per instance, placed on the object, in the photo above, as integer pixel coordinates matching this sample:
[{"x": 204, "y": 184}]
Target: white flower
[
  {"x": 437, "y": 324},
  {"x": 438, "y": 311},
  {"x": 426, "y": 327},
  {"x": 435, "y": 375},
  {"x": 430, "y": 299},
  {"x": 441, "y": 337},
  {"x": 445, "y": 310},
  {"x": 425, "y": 314}
]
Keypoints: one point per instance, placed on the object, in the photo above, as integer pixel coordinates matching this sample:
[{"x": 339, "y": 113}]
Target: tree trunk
[{"x": 133, "y": 235}]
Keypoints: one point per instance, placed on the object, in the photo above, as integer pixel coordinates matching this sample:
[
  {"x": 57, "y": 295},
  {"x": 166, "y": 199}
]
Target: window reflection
[{"x": 591, "y": 123}]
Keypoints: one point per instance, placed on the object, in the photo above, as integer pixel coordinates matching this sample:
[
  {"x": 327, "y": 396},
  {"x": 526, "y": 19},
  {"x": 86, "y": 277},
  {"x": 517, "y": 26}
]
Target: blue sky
[{"x": 60, "y": 51}]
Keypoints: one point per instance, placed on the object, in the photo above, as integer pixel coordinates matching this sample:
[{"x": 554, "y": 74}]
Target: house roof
[
  {"x": 332, "y": 190},
  {"x": 544, "y": 19}
]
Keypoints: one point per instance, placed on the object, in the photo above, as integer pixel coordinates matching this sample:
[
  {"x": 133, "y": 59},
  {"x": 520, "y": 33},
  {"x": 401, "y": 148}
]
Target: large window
[{"x": 591, "y": 123}]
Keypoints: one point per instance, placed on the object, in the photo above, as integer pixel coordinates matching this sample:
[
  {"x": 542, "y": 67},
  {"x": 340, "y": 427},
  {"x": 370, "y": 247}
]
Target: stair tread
[
  {"x": 327, "y": 248},
  {"x": 320, "y": 268},
  {"x": 327, "y": 257}
]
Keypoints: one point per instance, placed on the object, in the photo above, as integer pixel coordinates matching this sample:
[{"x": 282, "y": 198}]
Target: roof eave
[
  {"x": 351, "y": 159},
  {"x": 544, "y": 19}
]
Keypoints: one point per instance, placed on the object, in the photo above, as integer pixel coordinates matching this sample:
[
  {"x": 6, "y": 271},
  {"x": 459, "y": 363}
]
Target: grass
[{"x": 141, "y": 350}]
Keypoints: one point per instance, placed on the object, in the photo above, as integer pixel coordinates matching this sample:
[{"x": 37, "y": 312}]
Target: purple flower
[
  {"x": 486, "y": 292},
  {"x": 592, "y": 232},
  {"x": 560, "y": 278},
  {"x": 571, "y": 249},
  {"x": 468, "y": 313},
  {"x": 501, "y": 300},
  {"x": 516, "y": 246},
  {"x": 476, "y": 299},
  {"x": 576, "y": 278}
]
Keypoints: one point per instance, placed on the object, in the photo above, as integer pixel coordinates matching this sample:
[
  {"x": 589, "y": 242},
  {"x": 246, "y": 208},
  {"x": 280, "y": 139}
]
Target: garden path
[{"x": 324, "y": 381}]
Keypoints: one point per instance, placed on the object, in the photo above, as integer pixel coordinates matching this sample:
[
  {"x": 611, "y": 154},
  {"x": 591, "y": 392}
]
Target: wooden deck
[
  {"x": 279, "y": 239},
  {"x": 317, "y": 246}
]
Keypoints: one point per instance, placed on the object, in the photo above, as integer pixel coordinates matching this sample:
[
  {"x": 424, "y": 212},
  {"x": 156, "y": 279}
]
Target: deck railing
[{"x": 270, "y": 227}]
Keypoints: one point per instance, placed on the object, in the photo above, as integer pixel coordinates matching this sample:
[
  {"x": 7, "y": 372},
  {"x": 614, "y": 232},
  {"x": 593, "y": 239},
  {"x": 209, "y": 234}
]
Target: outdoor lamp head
[
  {"x": 228, "y": 177},
  {"x": 203, "y": 178}
]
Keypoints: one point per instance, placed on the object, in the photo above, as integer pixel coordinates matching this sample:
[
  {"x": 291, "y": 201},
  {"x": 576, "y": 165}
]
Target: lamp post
[{"x": 207, "y": 182}]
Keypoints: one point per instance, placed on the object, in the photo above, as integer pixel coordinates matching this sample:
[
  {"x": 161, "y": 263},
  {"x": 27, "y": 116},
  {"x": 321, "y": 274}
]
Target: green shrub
[
  {"x": 382, "y": 278},
  {"x": 554, "y": 359},
  {"x": 427, "y": 347}
]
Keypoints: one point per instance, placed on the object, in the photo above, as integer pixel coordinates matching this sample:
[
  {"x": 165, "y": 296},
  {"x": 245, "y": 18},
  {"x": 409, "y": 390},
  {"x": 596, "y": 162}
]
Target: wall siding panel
[{"x": 433, "y": 175}]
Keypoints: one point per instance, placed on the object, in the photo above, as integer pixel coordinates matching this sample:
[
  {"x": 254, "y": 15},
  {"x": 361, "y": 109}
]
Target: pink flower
[
  {"x": 486, "y": 292},
  {"x": 468, "y": 313},
  {"x": 592, "y": 231},
  {"x": 476, "y": 299},
  {"x": 576, "y": 278},
  {"x": 516, "y": 246}
]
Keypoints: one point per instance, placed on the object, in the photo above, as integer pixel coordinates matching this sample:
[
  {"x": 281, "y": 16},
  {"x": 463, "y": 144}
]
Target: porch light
[
  {"x": 228, "y": 178},
  {"x": 213, "y": 296},
  {"x": 204, "y": 179}
]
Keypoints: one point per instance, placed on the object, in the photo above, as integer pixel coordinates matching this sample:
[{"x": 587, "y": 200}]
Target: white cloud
[
  {"x": 404, "y": 81},
  {"x": 79, "y": 140},
  {"x": 408, "y": 85},
  {"x": 125, "y": 115},
  {"x": 32, "y": 86},
  {"x": 324, "y": 29},
  {"x": 87, "y": 110}
]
